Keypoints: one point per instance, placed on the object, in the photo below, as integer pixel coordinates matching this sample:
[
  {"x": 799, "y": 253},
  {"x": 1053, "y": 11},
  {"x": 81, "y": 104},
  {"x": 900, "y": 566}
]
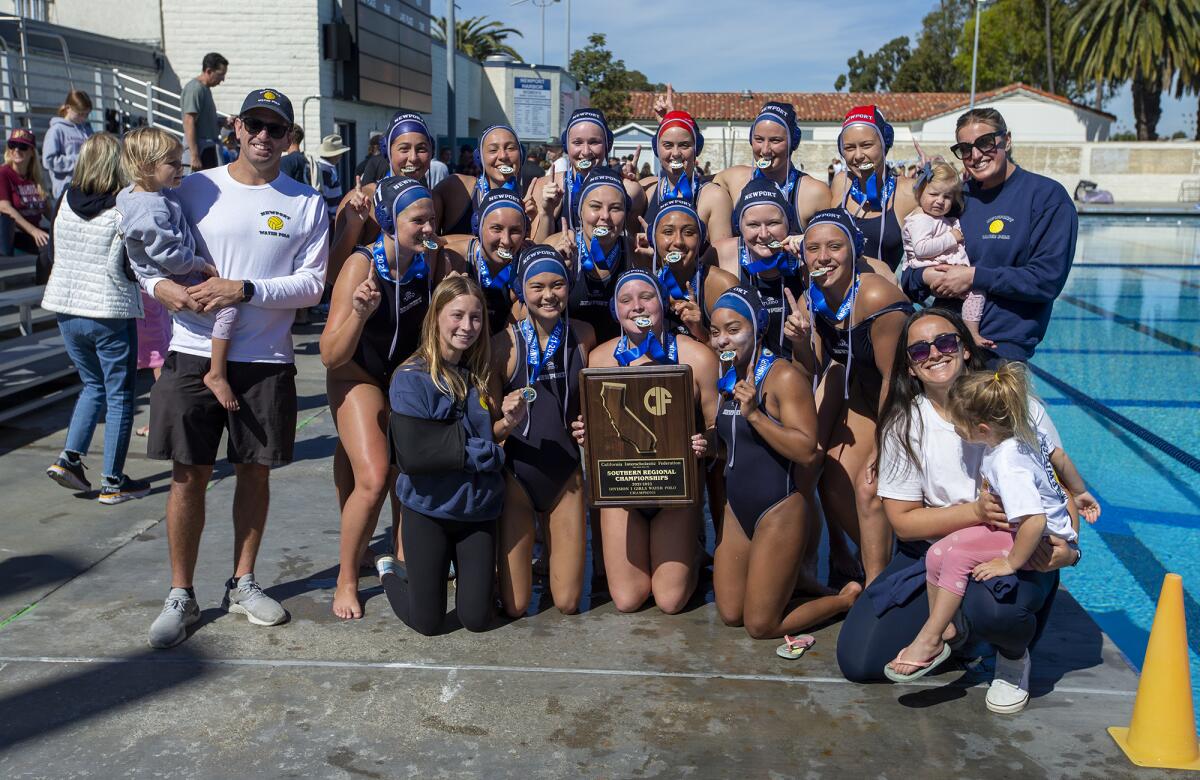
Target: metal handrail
[{"x": 142, "y": 84}]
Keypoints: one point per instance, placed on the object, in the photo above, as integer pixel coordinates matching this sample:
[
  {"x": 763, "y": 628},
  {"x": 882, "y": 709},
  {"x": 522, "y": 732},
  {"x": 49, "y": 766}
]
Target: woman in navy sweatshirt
[
  {"x": 1020, "y": 231},
  {"x": 451, "y": 485}
]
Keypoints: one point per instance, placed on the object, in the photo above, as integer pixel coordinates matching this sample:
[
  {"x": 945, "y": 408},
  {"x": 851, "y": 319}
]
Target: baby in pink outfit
[{"x": 933, "y": 237}]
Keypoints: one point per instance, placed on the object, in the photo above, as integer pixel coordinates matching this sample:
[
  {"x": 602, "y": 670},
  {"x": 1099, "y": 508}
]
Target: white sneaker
[{"x": 1010, "y": 688}]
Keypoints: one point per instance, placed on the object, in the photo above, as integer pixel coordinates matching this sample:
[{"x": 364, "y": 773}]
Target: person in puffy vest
[{"x": 97, "y": 300}]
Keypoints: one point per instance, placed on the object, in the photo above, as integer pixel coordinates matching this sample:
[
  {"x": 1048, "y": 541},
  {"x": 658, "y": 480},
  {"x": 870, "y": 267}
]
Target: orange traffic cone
[{"x": 1162, "y": 732}]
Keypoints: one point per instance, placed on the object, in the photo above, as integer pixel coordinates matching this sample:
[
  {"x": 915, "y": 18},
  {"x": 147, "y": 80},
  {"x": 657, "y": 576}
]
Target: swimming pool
[{"x": 1119, "y": 371}]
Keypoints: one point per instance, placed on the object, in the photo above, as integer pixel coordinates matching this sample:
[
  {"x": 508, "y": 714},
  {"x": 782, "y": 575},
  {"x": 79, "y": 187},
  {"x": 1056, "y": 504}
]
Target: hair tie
[{"x": 996, "y": 377}]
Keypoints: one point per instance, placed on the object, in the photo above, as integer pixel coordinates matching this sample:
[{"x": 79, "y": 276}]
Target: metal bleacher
[{"x": 39, "y": 63}]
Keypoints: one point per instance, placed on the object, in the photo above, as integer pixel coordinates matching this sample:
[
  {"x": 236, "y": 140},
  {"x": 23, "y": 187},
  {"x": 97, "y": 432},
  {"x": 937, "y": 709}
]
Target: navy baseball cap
[{"x": 272, "y": 100}]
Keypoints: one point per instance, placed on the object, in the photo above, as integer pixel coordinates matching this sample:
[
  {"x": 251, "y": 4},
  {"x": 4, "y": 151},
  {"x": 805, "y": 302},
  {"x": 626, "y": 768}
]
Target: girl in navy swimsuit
[
  {"x": 767, "y": 424},
  {"x": 855, "y": 317},
  {"x": 458, "y": 198},
  {"x": 677, "y": 144},
  {"x": 542, "y": 355},
  {"x": 650, "y": 552}
]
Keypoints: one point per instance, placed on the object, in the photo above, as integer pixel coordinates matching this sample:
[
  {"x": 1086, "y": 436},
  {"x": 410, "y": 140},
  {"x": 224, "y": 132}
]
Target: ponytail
[{"x": 999, "y": 399}]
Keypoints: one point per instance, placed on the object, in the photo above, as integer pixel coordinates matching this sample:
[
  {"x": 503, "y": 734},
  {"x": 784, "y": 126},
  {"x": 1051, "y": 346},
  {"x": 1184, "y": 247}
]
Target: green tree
[
  {"x": 608, "y": 81},
  {"x": 1012, "y": 47},
  {"x": 477, "y": 37},
  {"x": 875, "y": 72},
  {"x": 931, "y": 67},
  {"x": 1148, "y": 42}
]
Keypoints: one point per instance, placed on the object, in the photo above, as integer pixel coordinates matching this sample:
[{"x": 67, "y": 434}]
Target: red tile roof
[{"x": 828, "y": 106}]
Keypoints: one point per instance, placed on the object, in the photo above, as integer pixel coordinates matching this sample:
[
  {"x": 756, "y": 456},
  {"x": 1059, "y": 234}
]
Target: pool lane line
[
  {"x": 1184, "y": 282},
  {"x": 1131, "y": 323},
  {"x": 503, "y": 669},
  {"x": 1126, "y": 352},
  {"x": 1115, "y": 402},
  {"x": 1129, "y": 267},
  {"x": 1153, "y": 439}
]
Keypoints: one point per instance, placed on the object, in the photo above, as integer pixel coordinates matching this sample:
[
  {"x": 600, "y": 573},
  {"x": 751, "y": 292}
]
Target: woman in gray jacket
[{"x": 98, "y": 302}]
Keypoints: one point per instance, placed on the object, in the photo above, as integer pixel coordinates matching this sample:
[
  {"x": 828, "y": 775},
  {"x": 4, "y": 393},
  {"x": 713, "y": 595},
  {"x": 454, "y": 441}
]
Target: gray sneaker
[
  {"x": 170, "y": 627},
  {"x": 244, "y": 596}
]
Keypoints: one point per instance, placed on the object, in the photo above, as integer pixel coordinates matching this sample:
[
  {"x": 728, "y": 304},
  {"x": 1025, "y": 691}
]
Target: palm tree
[
  {"x": 1146, "y": 41},
  {"x": 477, "y": 37}
]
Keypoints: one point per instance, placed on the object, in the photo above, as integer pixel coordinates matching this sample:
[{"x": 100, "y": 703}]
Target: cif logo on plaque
[{"x": 656, "y": 400}]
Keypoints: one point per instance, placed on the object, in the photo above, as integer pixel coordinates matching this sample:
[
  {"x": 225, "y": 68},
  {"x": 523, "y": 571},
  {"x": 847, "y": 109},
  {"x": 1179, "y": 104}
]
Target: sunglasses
[
  {"x": 255, "y": 126},
  {"x": 18, "y": 147},
  {"x": 984, "y": 143},
  {"x": 944, "y": 343}
]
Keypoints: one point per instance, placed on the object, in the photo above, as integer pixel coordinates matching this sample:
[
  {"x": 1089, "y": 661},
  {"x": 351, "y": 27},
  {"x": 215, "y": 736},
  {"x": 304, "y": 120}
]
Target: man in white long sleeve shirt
[{"x": 267, "y": 235}]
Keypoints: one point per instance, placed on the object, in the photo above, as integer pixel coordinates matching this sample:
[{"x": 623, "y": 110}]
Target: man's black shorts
[{"x": 187, "y": 421}]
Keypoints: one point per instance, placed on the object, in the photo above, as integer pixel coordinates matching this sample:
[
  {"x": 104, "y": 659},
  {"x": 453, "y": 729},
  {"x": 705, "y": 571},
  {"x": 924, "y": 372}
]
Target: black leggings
[
  {"x": 429, "y": 545},
  {"x": 867, "y": 643}
]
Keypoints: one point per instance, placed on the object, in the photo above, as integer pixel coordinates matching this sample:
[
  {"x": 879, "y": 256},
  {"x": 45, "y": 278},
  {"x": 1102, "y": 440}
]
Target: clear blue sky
[{"x": 722, "y": 45}]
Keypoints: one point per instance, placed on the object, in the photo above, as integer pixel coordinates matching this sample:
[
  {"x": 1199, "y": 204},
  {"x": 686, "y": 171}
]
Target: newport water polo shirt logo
[
  {"x": 997, "y": 227},
  {"x": 275, "y": 222}
]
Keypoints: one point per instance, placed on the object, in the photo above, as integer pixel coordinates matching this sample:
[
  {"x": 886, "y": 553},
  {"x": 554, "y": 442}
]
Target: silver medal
[
  {"x": 529, "y": 394},
  {"x": 599, "y": 231},
  {"x": 728, "y": 355},
  {"x": 674, "y": 257},
  {"x": 583, "y": 165},
  {"x": 641, "y": 322},
  {"x": 503, "y": 253},
  {"x": 677, "y": 165},
  {"x": 430, "y": 245},
  {"x": 762, "y": 163},
  {"x": 505, "y": 169}
]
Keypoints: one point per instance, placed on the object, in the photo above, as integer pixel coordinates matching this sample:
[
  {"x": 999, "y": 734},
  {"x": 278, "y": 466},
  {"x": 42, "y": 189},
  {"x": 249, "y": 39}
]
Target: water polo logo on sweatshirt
[
  {"x": 275, "y": 222},
  {"x": 997, "y": 227}
]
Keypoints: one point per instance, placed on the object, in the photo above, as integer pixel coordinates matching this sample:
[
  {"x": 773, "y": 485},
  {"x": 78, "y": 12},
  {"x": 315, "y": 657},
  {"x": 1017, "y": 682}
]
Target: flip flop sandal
[
  {"x": 923, "y": 667},
  {"x": 795, "y": 646}
]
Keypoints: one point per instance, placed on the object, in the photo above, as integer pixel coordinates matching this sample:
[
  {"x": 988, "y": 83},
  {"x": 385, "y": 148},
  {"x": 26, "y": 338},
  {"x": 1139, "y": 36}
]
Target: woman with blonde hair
[
  {"x": 64, "y": 137},
  {"x": 97, "y": 302},
  {"x": 23, "y": 204},
  {"x": 451, "y": 486}
]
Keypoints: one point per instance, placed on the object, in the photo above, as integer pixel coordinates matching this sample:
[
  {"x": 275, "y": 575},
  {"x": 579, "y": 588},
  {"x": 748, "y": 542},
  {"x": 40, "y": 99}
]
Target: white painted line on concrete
[{"x": 454, "y": 668}]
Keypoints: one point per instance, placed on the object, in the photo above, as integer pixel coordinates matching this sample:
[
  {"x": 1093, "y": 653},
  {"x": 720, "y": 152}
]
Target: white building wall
[
  {"x": 129, "y": 20},
  {"x": 1029, "y": 118},
  {"x": 468, "y": 80},
  {"x": 269, "y": 43}
]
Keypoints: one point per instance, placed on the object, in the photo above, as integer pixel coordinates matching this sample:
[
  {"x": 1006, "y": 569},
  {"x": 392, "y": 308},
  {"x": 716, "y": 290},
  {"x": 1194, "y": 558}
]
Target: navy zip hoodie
[
  {"x": 477, "y": 492},
  {"x": 1020, "y": 237}
]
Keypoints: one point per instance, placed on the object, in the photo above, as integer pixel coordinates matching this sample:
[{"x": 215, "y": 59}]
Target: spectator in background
[
  {"x": 229, "y": 148},
  {"x": 530, "y": 169},
  {"x": 23, "y": 205},
  {"x": 201, "y": 130},
  {"x": 372, "y": 151},
  {"x": 294, "y": 163},
  {"x": 329, "y": 182},
  {"x": 67, "y": 132},
  {"x": 97, "y": 303},
  {"x": 645, "y": 171},
  {"x": 708, "y": 168},
  {"x": 558, "y": 160},
  {"x": 466, "y": 162},
  {"x": 438, "y": 169}
]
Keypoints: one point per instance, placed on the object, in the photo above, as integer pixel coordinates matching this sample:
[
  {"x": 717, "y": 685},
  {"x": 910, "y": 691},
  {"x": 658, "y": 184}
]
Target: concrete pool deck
[{"x": 596, "y": 695}]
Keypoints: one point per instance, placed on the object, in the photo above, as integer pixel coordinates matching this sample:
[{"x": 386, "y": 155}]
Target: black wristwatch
[
  {"x": 1078, "y": 556},
  {"x": 247, "y": 290}
]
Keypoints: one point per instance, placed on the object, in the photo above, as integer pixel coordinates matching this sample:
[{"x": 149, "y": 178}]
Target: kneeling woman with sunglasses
[
  {"x": 855, "y": 320},
  {"x": 541, "y": 357},
  {"x": 652, "y": 552},
  {"x": 768, "y": 427},
  {"x": 451, "y": 483},
  {"x": 929, "y": 484}
]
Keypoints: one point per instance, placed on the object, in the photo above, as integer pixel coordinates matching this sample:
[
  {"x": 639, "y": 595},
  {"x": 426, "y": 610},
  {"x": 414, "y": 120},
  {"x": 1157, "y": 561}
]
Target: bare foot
[
  {"x": 973, "y": 328},
  {"x": 143, "y": 431},
  {"x": 807, "y": 585},
  {"x": 345, "y": 602},
  {"x": 851, "y": 591},
  {"x": 221, "y": 389},
  {"x": 921, "y": 650}
]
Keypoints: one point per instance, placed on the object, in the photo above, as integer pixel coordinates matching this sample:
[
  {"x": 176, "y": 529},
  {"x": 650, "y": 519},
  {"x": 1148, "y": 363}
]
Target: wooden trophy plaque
[{"x": 639, "y": 424}]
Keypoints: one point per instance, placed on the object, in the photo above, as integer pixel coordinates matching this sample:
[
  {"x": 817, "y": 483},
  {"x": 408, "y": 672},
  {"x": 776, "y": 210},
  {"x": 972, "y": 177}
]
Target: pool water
[{"x": 1119, "y": 371}]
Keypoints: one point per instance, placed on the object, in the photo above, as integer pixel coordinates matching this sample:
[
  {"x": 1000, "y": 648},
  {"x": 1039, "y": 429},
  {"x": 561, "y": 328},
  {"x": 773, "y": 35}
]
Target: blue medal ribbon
[
  {"x": 534, "y": 360},
  {"x": 788, "y": 186},
  {"x": 417, "y": 268},
  {"x": 574, "y": 182},
  {"x": 667, "y": 278},
  {"x": 872, "y": 198},
  {"x": 651, "y": 347},
  {"x": 821, "y": 306},
  {"x": 592, "y": 257},
  {"x": 484, "y": 186},
  {"x": 729, "y": 378},
  {"x": 486, "y": 280},
  {"x": 781, "y": 261},
  {"x": 685, "y": 190}
]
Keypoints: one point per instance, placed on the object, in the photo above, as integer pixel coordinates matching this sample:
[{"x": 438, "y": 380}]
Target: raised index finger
[
  {"x": 791, "y": 299},
  {"x": 358, "y": 184}
]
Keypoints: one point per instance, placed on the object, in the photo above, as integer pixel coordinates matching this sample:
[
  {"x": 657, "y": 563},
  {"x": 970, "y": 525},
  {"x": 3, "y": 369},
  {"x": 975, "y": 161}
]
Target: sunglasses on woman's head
[
  {"x": 984, "y": 143},
  {"x": 255, "y": 126},
  {"x": 944, "y": 343}
]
